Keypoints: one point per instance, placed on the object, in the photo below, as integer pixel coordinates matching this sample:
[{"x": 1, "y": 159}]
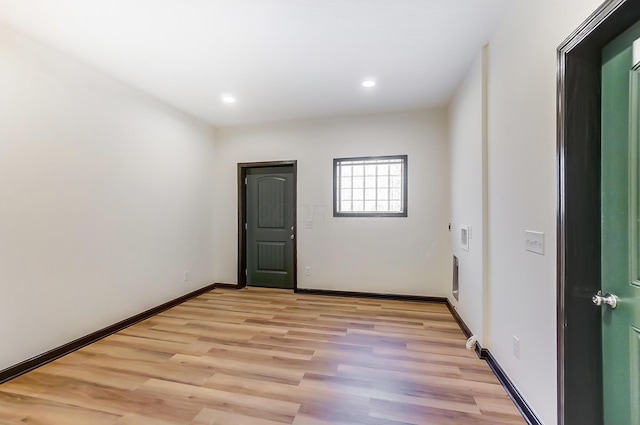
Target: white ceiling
[{"x": 281, "y": 59}]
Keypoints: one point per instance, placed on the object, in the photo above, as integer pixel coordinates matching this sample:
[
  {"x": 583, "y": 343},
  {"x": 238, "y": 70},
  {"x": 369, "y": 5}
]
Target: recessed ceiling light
[
  {"x": 227, "y": 98},
  {"x": 368, "y": 83}
]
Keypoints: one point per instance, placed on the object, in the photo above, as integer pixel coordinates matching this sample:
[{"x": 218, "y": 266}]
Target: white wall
[
  {"x": 384, "y": 255},
  {"x": 467, "y": 139},
  {"x": 106, "y": 198},
  {"x": 522, "y": 190}
]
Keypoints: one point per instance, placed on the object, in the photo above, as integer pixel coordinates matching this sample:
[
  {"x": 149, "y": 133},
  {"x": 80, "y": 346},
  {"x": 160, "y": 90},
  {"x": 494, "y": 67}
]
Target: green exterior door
[
  {"x": 270, "y": 227},
  {"x": 620, "y": 229}
]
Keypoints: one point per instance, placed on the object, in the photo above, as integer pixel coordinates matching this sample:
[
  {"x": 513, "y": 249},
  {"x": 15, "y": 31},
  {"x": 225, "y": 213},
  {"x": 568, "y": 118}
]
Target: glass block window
[{"x": 370, "y": 186}]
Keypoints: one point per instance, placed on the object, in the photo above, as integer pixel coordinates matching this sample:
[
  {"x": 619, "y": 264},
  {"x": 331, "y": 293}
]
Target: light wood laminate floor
[{"x": 269, "y": 357}]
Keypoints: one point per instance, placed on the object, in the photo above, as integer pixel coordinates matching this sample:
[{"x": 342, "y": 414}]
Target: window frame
[{"x": 404, "y": 176}]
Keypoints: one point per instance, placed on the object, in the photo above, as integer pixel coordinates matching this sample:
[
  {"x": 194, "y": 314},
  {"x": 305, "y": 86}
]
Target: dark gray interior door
[{"x": 270, "y": 226}]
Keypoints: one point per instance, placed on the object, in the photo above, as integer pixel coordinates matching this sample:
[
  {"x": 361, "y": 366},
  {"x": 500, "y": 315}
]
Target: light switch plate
[
  {"x": 534, "y": 242},
  {"x": 465, "y": 235},
  {"x": 516, "y": 347}
]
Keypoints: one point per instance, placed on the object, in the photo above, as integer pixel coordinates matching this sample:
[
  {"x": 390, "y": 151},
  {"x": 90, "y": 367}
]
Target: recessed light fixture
[
  {"x": 368, "y": 83},
  {"x": 227, "y": 98}
]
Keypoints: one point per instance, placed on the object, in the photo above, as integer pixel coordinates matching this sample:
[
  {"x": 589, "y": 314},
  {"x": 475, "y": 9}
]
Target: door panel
[
  {"x": 270, "y": 226},
  {"x": 271, "y": 197},
  {"x": 620, "y": 239},
  {"x": 635, "y": 373},
  {"x": 271, "y": 256}
]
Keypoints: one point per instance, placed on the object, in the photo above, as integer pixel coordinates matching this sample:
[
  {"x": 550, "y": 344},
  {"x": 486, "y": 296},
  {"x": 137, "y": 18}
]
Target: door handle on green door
[
  {"x": 292, "y": 236},
  {"x": 609, "y": 299}
]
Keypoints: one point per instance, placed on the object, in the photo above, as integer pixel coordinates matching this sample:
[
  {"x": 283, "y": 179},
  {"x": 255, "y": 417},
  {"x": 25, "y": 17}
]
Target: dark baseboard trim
[
  {"x": 44, "y": 358},
  {"x": 463, "y": 327},
  {"x": 508, "y": 385},
  {"x": 520, "y": 402},
  {"x": 227, "y": 285},
  {"x": 414, "y": 298}
]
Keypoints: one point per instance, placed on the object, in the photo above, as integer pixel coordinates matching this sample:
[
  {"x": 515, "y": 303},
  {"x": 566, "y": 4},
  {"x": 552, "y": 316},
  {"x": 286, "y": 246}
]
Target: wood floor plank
[
  {"x": 376, "y": 364},
  {"x": 442, "y": 383},
  {"x": 444, "y": 400},
  {"x": 241, "y": 368},
  {"x": 265, "y": 349},
  {"x": 496, "y": 405},
  {"x": 465, "y": 360},
  {"x": 124, "y": 352},
  {"x": 50, "y": 373},
  {"x": 38, "y": 411},
  {"x": 248, "y": 405},
  {"x": 166, "y": 370},
  {"x": 262, "y": 356},
  {"x": 68, "y": 391},
  {"x": 218, "y": 417},
  {"x": 423, "y": 415},
  {"x": 137, "y": 419}
]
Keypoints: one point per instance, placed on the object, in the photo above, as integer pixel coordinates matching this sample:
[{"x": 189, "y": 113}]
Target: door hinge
[
  {"x": 245, "y": 180},
  {"x": 245, "y": 226},
  {"x": 246, "y": 272}
]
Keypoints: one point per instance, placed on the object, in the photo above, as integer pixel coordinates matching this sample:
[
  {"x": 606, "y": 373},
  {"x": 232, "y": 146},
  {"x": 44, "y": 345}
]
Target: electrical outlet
[
  {"x": 534, "y": 241},
  {"x": 186, "y": 276},
  {"x": 307, "y": 271},
  {"x": 516, "y": 347}
]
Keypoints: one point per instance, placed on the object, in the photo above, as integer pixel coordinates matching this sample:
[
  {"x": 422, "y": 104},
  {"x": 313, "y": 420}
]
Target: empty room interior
[{"x": 317, "y": 212}]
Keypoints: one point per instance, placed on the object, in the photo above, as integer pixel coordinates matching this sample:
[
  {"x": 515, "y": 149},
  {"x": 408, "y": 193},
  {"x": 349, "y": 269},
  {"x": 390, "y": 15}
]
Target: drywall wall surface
[
  {"x": 107, "y": 199},
  {"x": 466, "y": 138},
  {"x": 381, "y": 255},
  {"x": 522, "y": 194}
]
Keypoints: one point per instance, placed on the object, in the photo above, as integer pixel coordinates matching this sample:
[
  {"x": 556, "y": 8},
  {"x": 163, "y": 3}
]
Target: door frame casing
[
  {"x": 579, "y": 330},
  {"x": 242, "y": 216}
]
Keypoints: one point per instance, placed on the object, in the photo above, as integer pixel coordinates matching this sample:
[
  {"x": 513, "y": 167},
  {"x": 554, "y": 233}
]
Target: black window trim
[{"x": 405, "y": 201}]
